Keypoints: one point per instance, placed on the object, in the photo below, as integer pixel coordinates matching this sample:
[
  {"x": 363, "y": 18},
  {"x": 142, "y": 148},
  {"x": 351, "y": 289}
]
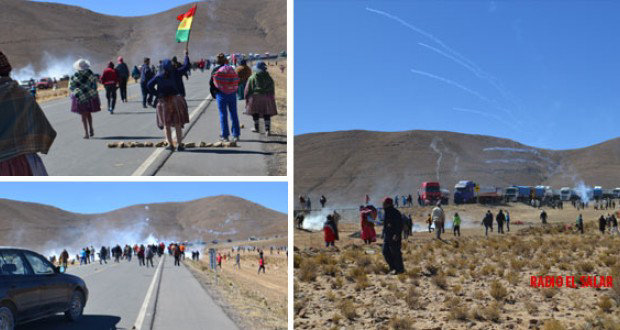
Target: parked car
[
  {"x": 25, "y": 84},
  {"x": 32, "y": 288}
]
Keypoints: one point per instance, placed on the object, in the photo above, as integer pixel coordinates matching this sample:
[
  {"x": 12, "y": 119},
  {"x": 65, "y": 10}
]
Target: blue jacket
[
  {"x": 122, "y": 71},
  {"x": 178, "y": 76},
  {"x": 166, "y": 86},
  {"x": 146, "y": 74}
]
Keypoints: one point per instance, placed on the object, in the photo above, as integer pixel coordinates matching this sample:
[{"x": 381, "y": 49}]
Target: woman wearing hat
[
  {"x": 171, "y": 107},
  {"x": 84, "y": 95},
  {"x": 260, "y": 97},
  {"x": 25, "y": 131}
]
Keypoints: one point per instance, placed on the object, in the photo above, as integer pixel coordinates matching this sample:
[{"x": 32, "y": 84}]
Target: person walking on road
[
  {"x": 223, "y": 85},
  {"x": 488, "y": 222},
  {"x": 84, "y": 95},
  {"x": 177, "y": 255},
  {"x": 64, "y": 258},
  {"x": 103, "y": 255},
  {"x": 171, "y": 106},
  {"x": 24, "y": 132},
  {"x": 122, "y": 72},
  {"x": 456, "y": 225},
  {"x": 149, "y": 256},
  {"x": 146, "y": 74},
  {"x": 109, "y": 79},
  {"x": 135, "y": 74},
  {"x": 439, "y": 219},
  {"x": 244, "y": 72},
  {"x": 392, "y": 237},
  {"x": 141, "y": 256}
]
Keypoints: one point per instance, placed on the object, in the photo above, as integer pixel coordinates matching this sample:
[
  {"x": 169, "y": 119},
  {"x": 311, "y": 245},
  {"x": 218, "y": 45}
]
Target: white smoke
[
  {"x": 583, "y": 191},
  {"x": 434, "y": 147},
  {"x": 315, "y": 221},
  {"x": 51, "y": 67}
]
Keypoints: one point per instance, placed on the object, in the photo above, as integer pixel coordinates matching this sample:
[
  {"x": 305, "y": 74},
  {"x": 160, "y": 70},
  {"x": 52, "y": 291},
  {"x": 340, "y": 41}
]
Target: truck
[
  {"x": 616, "y": 192},
  {"x": 445, "y": 196},
  {"x": 489, "y": 195},
  {"x": 511, "y": 194},
  {"x": 524, "y": 193},
  {"x": 597, "y": 192},
  {"x": 429, "y": 193},
  {"x": 566, "y": 194},
  {"x": 464, "y": 192},
  {"x": 45, "y": 83}
]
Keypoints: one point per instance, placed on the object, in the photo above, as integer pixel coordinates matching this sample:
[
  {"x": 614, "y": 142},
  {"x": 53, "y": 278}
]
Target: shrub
[
  {"x": 307, "y": 271},
  {"x": 458, "y": 311},
  {"x": 347, "y": 310},
  {"x": 549, "y": 293},
  {"x": 498, "y": 291},
  {"x": 553, "y": 324},
  {"x": 492, "y": 312},
  {"x": 413, "y": 298},
  {"x": 330, "y": 270},
  {"x": 586, "y": 267},
  {"x": 605, "y": 304},
  {"x": 296, "y": 261},
  {"x": 440, "y": 281},
  {"x": 405, "y": 323}
]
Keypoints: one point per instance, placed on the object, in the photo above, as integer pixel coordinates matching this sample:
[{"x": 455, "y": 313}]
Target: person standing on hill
[
  {"x": 407, "y": 225},
  {"x": 602, "y": 224},
  {"x": 219, "y": 260},
  {"x": 109, "y": 79},
  {"x": 392, "y": 237},
  {"x": 488, "y": 222},
  {"x": 330, "y": 231},
  {"x": 122, "y": 72},
  {"x": 261, "y": 264},
  {"x": 456, "y": 224},
  {"x": 543, "y": 217},
  {"x": 146, "y": 74},
  {"x": 439, "y": 218},
  {"x": 223, "y": 86},
  {"x": 580, "y": 223},
  {"x": 500, "y": 218},
  {"x": 507, "y": 221},
  {"x": 84, "y": 95},
  {"x": 25, "y": 130},
  {"x": 244, "y": 72},
  {"x": 429, "y": 221},
  {"x": 238, "y": 260},
  {"x": 368, "y": 214},
  {"x": 260, "y": 97},
  {"x": 322, "y": 200}
]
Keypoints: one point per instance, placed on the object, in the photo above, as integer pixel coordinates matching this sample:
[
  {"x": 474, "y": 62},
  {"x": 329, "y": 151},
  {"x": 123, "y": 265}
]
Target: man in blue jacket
[{"x": 146, "y": 74}]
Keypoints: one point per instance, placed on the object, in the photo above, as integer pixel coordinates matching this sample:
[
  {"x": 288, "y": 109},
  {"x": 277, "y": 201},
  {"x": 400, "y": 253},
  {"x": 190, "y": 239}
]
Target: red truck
[
  {"x": 429, "y": 193},
  {"x": 45, "y": 83}
]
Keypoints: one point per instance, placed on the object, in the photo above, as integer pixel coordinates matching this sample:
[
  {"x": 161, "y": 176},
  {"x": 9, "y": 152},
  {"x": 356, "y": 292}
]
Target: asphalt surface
[
  {"x": 118, "y": 292},
  {"x": 71, "y": 154}
]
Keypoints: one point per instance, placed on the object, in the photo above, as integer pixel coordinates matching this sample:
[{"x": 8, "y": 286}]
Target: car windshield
[
  {"x": 39, "y": 265},
  {"x": 432, "y": 189},
  {"x": 12, "y": 263}
]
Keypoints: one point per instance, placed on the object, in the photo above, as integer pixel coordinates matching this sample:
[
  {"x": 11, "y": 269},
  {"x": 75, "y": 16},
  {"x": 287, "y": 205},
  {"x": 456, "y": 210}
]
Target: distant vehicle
[
  {"x": 252, "y": 238},
  {"x": 429, "y": 193},
  {"x": 45, "y": 83},
  {"x": 64, "y": 78},
  {"x": 489, "y": 195},
  {"x": 445, "y": 196},
  {"x": 214, "y": 241},
  {"x": 616, "y": 192},
  {"x": 566, "y": 193},
  {"x": 511, "y": 194},
  {"x": 283, "y": 53},
  {"x": 32, "y": 288},
  {"x": 229, "y": 240},
  {"x": 25, "y": 84},
  {"x": 464, "y": 192},
  {"x": 597, "y": 192}
]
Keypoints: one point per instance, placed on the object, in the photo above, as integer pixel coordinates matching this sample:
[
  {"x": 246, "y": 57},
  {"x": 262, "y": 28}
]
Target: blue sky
[
  {"x": 544, "y": 73},
  {"x": 124, "y": 7},
  {"x": 95, "y": 197}
]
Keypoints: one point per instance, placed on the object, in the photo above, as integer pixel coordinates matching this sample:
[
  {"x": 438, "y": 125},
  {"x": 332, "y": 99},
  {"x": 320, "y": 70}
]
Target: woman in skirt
[
  {"x": 260, "y": 97},
  {"x": 171, "y": 107},
  {"x": 84, "y": 95}
]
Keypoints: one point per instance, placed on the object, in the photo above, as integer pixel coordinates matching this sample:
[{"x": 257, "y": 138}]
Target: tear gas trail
[
  {"x": 52, "y": 66},
  {"x": 485, "y": 114},
  {"x": 315, "y": 221},
  {"x": 583, "y": 191},
  {"x": 424, "y": 33},
  {"x": 453, "y": 83},
  {"x": 434, "y": 147}
]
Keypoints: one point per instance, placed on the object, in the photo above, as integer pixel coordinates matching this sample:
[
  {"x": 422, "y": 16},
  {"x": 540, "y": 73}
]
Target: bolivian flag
[{"x": 186, "y": 25}]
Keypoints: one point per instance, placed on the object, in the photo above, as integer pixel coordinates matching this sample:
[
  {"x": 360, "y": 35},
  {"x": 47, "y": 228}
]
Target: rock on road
[
  {"x": 117, "y": 295},
  {"x": 72, "y": 155}
]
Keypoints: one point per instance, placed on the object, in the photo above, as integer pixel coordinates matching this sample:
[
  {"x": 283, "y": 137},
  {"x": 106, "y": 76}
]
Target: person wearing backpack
[{"x": 223, "y": 86}]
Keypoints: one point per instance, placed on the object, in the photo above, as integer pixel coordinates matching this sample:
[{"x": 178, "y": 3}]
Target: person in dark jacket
[
  {"x": 392, "y": 237},
  {"x": 543, "y": 217},
  {"x": 109, "y": 79},
  {"x": 181, "y": 71},
  {"x": 500, "y": 218},
  {"x": 122, "y": 72},
  {"x": 244, "y": 72},
  {"x": 602, "y": 223},
  {"x": 135, "y": 73},
  {"x": 330, "y": 231},
  {"x": 171, "y": 107},
  {"x": 488, "y": 222},
  {"x": 146, "y": 74},
  {"x": 580, "y": 223}
]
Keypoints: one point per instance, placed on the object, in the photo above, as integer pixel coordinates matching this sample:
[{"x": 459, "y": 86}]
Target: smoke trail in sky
[
  {"x": 453, "y": 83},
  {"x": 434, "y": 147}
]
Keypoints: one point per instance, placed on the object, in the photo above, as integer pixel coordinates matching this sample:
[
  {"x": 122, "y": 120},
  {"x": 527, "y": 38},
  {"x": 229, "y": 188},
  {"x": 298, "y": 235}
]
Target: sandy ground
[
  {"x": 254, "y": 301},
  {"x": 461, "y": 282}
]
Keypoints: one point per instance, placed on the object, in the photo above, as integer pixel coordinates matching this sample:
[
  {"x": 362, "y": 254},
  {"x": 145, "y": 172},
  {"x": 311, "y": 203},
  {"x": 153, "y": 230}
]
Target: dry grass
[{"x": 498, "y": 291}]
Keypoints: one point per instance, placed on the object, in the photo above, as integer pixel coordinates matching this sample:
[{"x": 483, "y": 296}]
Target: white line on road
[
  {"x": 141, "y": 170},
  {"x": 145, "y": 304}
]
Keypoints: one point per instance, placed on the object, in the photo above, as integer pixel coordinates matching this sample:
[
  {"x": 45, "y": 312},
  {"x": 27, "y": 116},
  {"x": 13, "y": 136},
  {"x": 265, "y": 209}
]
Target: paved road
[
  {"x": 72, "y": 155},
  {"x": 118, "y": 293}
]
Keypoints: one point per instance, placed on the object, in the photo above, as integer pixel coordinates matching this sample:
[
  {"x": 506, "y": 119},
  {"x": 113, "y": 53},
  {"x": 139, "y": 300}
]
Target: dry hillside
[
  {"x": 70, "y": 32},
  {"x": 222, "y": 217},
  {"x": 346, "y": 165}
]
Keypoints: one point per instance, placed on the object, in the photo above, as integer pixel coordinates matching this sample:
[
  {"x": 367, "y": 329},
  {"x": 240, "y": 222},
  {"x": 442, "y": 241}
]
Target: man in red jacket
[{"x": 109, "y": 79}]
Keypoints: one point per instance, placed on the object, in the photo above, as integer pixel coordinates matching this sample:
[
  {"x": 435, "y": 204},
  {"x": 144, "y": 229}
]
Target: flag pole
[{"x": 190, "y": 32}]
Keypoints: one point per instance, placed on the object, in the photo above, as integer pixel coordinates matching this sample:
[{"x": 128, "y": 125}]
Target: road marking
[
  {"x": 145, "y": 304},
  {"x": 141, "y": 170}
]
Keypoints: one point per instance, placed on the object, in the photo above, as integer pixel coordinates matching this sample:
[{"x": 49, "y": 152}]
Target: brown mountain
[
  {"x": 31, "y": 29},
  {"x": 346, "y": 165},
  {"x": 222, "y": 217}
]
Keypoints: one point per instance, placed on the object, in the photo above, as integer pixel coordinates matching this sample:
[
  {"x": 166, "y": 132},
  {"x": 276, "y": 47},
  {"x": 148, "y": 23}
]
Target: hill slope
[
  {"x": 55, "y": 33},
  {"x": 346, "y": 165},
  {"x": 222, "y": 217}
]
